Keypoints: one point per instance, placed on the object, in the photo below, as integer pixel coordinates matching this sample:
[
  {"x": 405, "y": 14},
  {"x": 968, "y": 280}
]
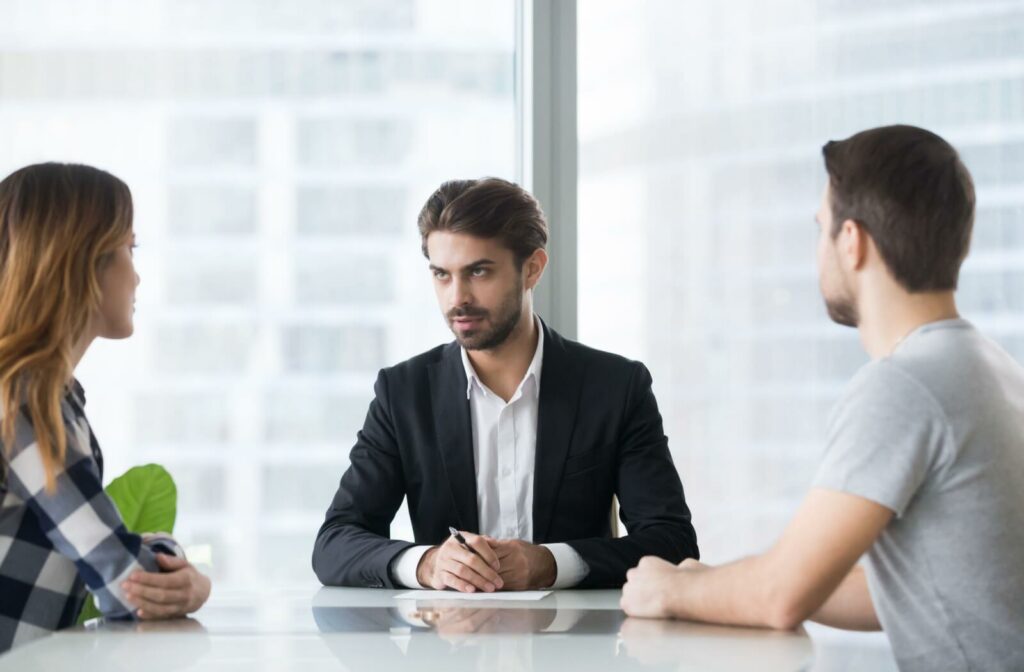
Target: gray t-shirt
[{"x": 935, "y": 432}]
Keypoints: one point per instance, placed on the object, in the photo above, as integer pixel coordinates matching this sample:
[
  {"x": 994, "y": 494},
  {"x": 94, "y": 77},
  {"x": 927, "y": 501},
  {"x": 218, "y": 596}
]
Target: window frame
[{"x": 547, "y": 144}]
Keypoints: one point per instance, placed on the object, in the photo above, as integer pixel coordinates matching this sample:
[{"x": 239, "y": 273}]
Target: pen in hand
[
  {"x": 465, "y": 544},
  {"x": 462, "y": 540}
]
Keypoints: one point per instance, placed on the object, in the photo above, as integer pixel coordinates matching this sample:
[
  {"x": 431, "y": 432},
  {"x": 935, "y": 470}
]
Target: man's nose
[{"x": 461, "y": 294}]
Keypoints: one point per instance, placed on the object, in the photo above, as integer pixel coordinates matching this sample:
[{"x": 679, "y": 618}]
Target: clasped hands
[{"x": 499, "y": 564}]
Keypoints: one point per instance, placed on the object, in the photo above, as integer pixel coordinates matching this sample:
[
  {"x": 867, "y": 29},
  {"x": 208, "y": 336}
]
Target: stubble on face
[
  {"x": 835, "y": 290},
  {"x": 502, "y": 321},
  {"x": 839, "y": 301},
  {"x": 842, "y": 311}
]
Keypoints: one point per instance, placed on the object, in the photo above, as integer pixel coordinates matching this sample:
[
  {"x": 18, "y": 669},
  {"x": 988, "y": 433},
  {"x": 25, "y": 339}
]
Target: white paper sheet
[{"x": 522, "y": 595}]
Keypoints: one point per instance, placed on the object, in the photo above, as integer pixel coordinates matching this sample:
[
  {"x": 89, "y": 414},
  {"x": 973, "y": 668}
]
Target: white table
[{"x": 366, "y": 629}]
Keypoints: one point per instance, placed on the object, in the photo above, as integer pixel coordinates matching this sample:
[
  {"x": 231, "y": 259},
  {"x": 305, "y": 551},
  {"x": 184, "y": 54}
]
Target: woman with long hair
[{"x": 66, "y": 278}]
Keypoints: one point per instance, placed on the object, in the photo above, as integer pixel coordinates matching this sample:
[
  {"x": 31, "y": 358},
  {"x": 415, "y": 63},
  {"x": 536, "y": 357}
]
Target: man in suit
[{"x": 513, "y": 434}]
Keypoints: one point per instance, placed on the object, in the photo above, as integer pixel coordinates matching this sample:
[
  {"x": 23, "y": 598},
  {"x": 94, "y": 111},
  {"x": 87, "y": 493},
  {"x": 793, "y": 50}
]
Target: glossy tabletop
[{"x": 367, "y": 629}]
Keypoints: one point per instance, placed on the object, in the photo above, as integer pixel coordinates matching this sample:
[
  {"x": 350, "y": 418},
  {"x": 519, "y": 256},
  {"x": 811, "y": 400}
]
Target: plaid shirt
[{"x": 53, "y": 546}]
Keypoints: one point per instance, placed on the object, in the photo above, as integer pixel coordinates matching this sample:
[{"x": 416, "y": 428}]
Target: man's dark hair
[
  {"x": 486, "y": 208},
  {"x": 909, "y": 190}
]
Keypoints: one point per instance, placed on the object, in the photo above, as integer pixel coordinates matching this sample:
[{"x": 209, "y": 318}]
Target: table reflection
[
  {"x": 370, "y": 630},
  {"x": 117, "y": 645},
  {"x": 471, "y": 637},
  {"x": 477, "y": 637},
  {"x": 186, "y": 624},
  {"x": 685, "y": 645},
  {"x": 409, "y": 617}
]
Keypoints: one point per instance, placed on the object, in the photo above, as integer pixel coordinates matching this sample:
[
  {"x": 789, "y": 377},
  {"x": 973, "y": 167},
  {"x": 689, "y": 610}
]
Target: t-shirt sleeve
[{"x": 884, "y": 438}]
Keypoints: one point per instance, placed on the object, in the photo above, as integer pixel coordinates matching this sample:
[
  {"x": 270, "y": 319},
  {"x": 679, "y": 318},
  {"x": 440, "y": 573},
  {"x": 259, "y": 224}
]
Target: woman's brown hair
[{"x": 59, "y": 223}]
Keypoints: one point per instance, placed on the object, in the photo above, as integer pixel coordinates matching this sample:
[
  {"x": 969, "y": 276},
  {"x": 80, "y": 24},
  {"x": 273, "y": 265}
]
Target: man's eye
[
  {"x": 440, "y": 275},
  {"x": 479, "y": 272}
]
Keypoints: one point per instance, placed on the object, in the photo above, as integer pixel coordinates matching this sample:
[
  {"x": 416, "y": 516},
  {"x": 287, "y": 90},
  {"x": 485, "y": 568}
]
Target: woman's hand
[{"x": 179, "y": 590}]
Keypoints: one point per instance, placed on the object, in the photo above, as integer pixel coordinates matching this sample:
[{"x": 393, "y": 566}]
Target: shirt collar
[{"x": 533, "y": 372}]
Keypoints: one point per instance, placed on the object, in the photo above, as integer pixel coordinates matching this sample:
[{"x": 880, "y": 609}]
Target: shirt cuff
[
  {"x": 161, "y": 542},
  {"x": 565, "y": 620},
  {"x": 403, "y": 568},
  {"x": 570, "y": 567}
]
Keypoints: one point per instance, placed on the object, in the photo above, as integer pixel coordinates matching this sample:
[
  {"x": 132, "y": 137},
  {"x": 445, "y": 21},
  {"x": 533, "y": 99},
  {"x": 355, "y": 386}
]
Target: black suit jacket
[{"x": 599, "y": 434}]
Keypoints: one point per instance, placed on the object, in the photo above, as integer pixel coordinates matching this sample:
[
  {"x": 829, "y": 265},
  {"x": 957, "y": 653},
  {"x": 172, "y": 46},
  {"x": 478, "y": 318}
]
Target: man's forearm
[
  {"x": 350, "y": 555},
  {"x": 758, "y": 591},
  {"x": 735, "y": 594},
  {"x": 850, "y": 606}
]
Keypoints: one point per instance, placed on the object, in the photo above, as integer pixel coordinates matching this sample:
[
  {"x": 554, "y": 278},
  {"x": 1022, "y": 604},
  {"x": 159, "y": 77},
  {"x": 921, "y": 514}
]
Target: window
[
  {"x": 278, "y": 154},
  {"x": 700, "y": 173}
]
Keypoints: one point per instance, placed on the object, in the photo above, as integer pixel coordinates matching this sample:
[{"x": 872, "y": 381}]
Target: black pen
[{"x": 462, "y": 540}]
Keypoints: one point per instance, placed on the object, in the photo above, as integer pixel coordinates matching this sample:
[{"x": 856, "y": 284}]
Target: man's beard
[
  {"x": 843, "y": 311},
  {"x": 506, "y": 317}
]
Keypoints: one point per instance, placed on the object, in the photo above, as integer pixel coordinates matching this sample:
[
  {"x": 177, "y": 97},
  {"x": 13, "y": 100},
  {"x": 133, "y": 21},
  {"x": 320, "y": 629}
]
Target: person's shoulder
[
  {"x": 882, "y": 374},
  {"x": 889, "y": 386},
  {"x": 24, "y": 434},
  {"x": 954, "y": 353},
  {"x": 419, "y": 365},
  {"x": 602, "y": 361}
]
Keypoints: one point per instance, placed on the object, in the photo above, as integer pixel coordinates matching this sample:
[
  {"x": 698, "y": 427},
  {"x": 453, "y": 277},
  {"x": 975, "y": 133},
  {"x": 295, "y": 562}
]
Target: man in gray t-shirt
[
  {"x": 923, "y": 474},
  {"x": 935, "y": 433}
]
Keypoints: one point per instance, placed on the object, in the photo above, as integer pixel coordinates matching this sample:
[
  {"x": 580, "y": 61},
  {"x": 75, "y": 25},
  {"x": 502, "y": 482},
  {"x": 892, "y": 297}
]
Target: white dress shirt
[{"x": 504, "y": 452}]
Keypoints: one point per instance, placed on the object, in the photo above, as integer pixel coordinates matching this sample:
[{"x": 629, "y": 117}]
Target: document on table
[{"x": 520, "y": 595}]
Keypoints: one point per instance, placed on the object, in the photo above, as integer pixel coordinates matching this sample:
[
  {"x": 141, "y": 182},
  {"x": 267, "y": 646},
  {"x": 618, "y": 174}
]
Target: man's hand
[
  {"x": 692, "y": 564},
  {"x": 778, "y": 589},
  {"x": 452, "y": 566},
  {"x": 525, "y": 566},
  {"x": 180, "y": 589},
  {"x": 654, "y": 585}
]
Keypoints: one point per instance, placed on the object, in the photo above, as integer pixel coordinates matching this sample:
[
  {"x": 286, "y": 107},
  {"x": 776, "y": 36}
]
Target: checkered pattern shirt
[{"x": 55, "y": 545}]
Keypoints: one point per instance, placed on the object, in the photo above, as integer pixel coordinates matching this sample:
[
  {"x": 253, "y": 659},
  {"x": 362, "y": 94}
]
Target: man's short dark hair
[
  {"x": 487, "y": 208},
  {"x": 909, "y": 190}
]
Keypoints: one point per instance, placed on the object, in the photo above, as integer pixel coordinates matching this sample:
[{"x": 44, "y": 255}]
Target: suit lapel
[
  {"x": 454, "y": 431},
  {"x": 560, "y": 383}
]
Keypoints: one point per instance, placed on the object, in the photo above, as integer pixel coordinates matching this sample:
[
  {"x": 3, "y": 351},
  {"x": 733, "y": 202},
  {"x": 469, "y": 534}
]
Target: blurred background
[
  {"x": 700, "y": 134},
  {"x": 279, "y": 152}
]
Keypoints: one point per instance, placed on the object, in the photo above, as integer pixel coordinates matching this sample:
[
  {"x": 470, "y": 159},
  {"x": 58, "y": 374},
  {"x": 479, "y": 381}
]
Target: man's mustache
[{"x": 466, "y": 311}]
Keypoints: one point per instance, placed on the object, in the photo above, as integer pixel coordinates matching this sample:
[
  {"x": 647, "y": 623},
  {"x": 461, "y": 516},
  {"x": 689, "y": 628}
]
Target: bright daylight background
[
  {"x": 279, "y": 151},
  {"x": 701, "y": 126}
]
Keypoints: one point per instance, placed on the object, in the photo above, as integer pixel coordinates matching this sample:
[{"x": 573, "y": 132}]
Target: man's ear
[
  {"x": 533, "y": 268},
  {"x": 854, "y": 244}
]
